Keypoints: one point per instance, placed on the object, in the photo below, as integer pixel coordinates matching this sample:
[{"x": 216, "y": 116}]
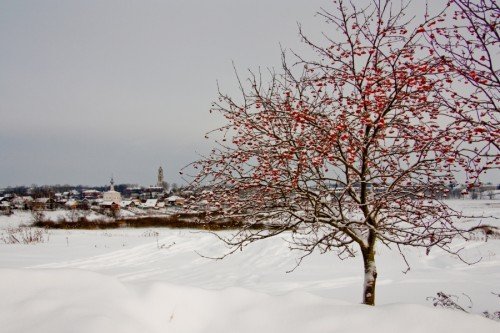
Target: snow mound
[{"x": 70, "y": 300}]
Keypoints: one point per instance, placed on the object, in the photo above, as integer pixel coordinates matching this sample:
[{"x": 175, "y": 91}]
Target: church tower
[
  {"x": 160, "y": 177},
  {"x": 112, "y": 184},
  {"x": 112, "y": 196}
]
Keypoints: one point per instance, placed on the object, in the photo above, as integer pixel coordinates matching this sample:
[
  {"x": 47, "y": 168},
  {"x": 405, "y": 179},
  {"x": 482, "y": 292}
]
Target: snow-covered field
[{"x": 131, "y": 280}]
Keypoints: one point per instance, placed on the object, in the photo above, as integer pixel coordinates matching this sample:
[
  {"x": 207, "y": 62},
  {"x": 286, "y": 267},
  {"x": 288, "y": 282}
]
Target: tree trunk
[{"x": 370, "y": 276}]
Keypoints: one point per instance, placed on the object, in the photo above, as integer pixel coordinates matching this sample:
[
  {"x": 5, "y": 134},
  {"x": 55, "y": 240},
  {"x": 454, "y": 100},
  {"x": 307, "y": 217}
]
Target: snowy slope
[
  {"x": 129, "y": 280},
  {"x": 81, "y": 301}
]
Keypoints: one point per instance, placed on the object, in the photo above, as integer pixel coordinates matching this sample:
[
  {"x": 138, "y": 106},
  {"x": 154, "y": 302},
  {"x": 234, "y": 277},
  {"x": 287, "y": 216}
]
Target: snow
[
  {"x": 21, "y": 217},
  {"x": 153, "y": 280},
  {"x": 82, "y": 301}
]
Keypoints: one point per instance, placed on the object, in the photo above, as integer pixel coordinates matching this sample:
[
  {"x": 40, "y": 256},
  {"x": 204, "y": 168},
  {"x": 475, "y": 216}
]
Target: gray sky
[
  {"x": 95, "y": 87},
  {"x": 92, "y": 88}
]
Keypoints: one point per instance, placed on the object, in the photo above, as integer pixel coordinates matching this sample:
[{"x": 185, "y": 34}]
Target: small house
[
  {"x": 150, "y": 203},
  {"x": 44, "y": 204},
  {"x": 175, "y": 200}
]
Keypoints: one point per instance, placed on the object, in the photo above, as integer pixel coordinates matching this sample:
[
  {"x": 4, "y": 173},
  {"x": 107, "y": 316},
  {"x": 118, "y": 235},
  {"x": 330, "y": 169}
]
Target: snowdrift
[{"x": 70, "y": 300}]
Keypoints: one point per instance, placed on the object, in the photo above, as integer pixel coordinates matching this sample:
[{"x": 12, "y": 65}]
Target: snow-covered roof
[
  {"x": 111, "y": 191},
  {"x": 150, "y": 203},
  {"x": 108, "y": 203},
  {"x": 42, "y": 200},
  {"x": 91, "y": 191},
  {"x": 125, "y": 203},
  {"x": 70, "y": 203},
  {"x": 174, "y": 198},
  {"x": 21, "y": 200}
]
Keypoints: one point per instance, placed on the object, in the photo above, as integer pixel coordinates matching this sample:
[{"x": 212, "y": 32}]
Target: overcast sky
[
  {"x": 97, "y": 87},
  {"x": 92, "y": 88}
]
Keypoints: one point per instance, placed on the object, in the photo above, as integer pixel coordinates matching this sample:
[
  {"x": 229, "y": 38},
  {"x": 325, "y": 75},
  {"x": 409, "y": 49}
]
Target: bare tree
[
  {"x": 38, "y": 216},
  {"x": 346, "y": 150}
]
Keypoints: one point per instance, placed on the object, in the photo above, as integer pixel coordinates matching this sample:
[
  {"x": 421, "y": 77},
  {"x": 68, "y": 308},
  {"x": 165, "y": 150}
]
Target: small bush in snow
[
  {"x": 150, "y": 233},
  {"x": 24, "y": 235},
  {"x": 38, "y": 216},
  {"x": 449, "y": 301},
  {"x": 485, "y": 232}
]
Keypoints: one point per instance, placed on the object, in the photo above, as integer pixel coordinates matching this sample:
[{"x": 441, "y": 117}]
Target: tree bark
[{"x": 370, "y": 276}]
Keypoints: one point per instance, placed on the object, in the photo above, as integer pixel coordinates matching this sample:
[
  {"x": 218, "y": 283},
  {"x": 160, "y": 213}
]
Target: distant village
[
  {"x": 110, "y": 200},
  {"x": 132, "y": 200}
]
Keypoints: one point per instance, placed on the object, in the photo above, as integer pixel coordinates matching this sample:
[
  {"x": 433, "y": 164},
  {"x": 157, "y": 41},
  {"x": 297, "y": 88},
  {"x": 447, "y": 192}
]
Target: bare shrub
[
  {"x": 177, "y": 221},
  {"x": 81, "y": 223},
  {"x": 7, "y": 212},
  {"x": 76, "y": 215},
  {"x": 24, "y": 235},
  {"x": 452, "y": 302},
  {"x": 164, "y": 246},
  {"x": 484, "y": 232},
  {"x": 150, "y": 233},
  {"x": 492, "y": 315},
  {"x": 38, "y": 216},
  {"x": 448, "y": 301}
]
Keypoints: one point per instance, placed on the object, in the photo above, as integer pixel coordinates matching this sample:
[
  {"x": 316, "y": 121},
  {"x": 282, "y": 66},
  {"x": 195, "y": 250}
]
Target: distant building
[
  {"x": 71, "y": 204},
  {"x": 44, "y": 204},
  {"x": 91, "y": 194},
  {"x": 112, "y": 196},
  {"x": 150, "y": 203},
  {"x": 175, "y": 200},
  {"x": 153, "y": 192},
  {"x": 127, "y": 204},
  {"x": 5, "y": 205},
  {"x": 22, "y": 202},
  {"x": 134, "y": 192}
]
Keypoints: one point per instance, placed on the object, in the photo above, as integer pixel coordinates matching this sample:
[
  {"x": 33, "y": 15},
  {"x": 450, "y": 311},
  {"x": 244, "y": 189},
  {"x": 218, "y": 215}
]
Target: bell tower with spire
[
  {"x": 111, "y": 184},
  {"x": 160, "y": 181}
]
